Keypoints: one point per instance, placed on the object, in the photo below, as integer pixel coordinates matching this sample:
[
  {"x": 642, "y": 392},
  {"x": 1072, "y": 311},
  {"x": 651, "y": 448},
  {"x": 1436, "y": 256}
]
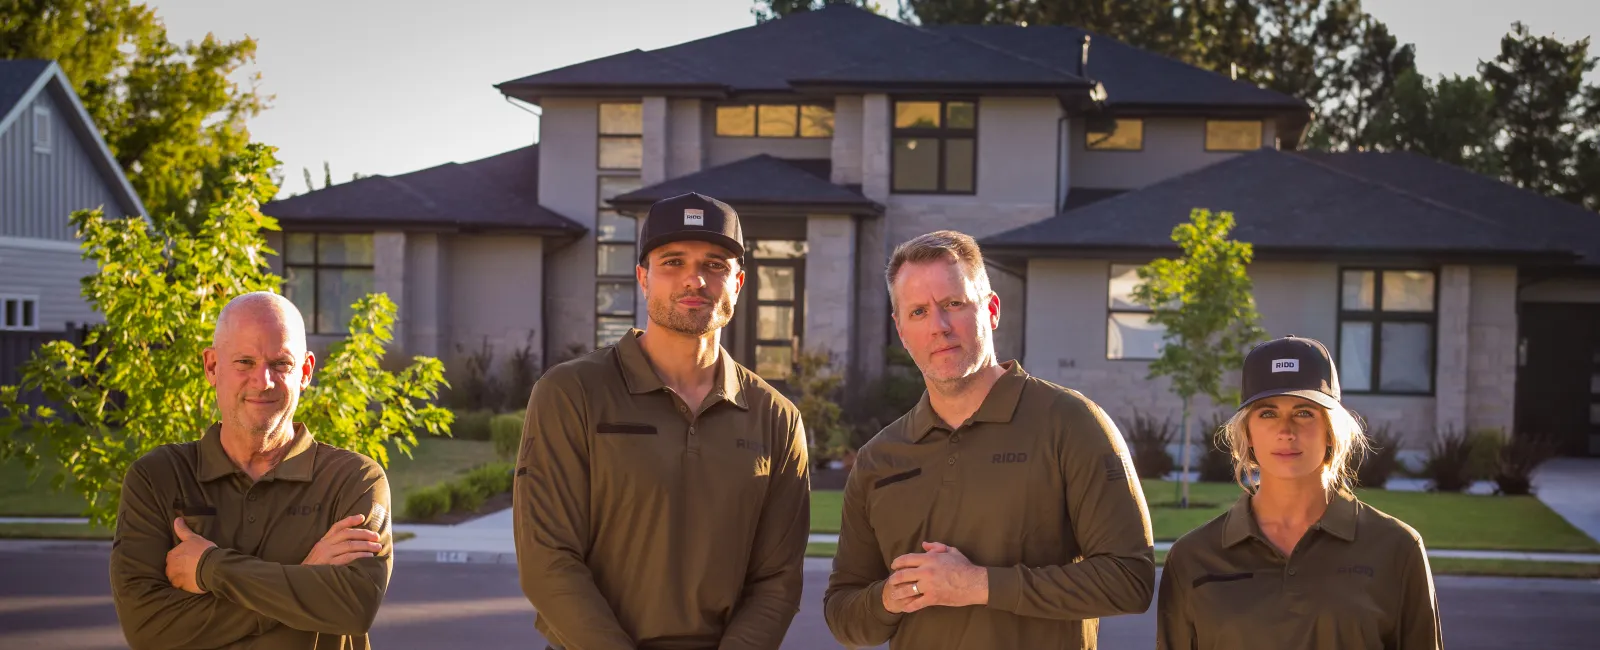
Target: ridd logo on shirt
[
  {"x": 1286, "y": 365},
  {"x": 694, "y": 217},
  {"x": 1014, "y": 457}
]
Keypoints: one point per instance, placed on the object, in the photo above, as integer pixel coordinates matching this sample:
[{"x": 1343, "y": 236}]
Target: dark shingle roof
[
  {"x": 16, "y": 77},
  {"x": 1288, "y": 203},
  {"x": 1514, "y": 207},
  {"x": 496, "y": 193},
  {"x": 844, "y": 45},
  {"x": 756, "y": 182},
  {"x": 1131, "y": 76}
]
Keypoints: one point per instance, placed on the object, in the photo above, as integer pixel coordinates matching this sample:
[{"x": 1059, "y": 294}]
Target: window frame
[
  {"x": 1111, "y": 311},
  {"x": 21, "y": 300},
  {"x": 602, "y": 279},
  {"x": 316, "y": 266},
  {"x": 601, "y": 136},
  {"x": 943, "y": 134},
  {"x": 43, "y": 138},
  {"x": 1261, "y": 134},
  {"x": 1090, "y": 148},
  {"x": 1378, "y": 317},
  {"x": 797, "y": 304},
  {"x": 755, "y": 130}
]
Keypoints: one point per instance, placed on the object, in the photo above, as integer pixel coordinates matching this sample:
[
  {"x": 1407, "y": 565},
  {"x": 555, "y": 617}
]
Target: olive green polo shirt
[
  {"x": 643, "y": 521},
  {"x": 1357, "y": 579},
  {"x": 1036, "y": 485},
  {"x": 257, "y": 593}
]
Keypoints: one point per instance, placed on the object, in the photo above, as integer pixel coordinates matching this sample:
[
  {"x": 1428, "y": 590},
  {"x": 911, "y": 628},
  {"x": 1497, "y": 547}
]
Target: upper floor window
[
  {"x": 935, "y": 147},
  {"x": 324, "y": 275},
  {"x": 1386, "y": 331},
  {"x": 41, "y": 129},
  {"x": 774, "y": 121},
  {"x": 1125, "y": 135},
  {"x": 621, "y": 135},
  {"x": 616, "y": 255},
  {"x": 1233, "y": 135},
  {"x": 19, "y": 312},
  {"x": 1129, "y": 332}
]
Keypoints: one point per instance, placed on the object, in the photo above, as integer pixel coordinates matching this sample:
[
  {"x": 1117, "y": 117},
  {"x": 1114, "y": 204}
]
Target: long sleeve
[
  {"x": 1174, "y": 621},
  {"x": 323, "y": 598},
  {"x": 1110, "y": 521},
  {"x": 153, "y": 613},
  {"x": 771, "y": 596},
  {"x": 1419, "y": 608},
  {"x": 853, "y": 604},
  {"x": 550, "y": 510}
]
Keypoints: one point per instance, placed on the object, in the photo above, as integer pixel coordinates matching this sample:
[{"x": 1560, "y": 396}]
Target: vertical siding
[{"x": 40, "y": 191}]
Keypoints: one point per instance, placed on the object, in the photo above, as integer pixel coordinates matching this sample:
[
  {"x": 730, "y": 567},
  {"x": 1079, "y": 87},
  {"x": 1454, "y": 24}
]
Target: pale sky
[{"x": 387, "y": 87}]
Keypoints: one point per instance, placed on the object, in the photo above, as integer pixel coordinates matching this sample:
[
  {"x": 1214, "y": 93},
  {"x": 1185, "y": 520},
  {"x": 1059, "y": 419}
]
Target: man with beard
[
  {"x": 662, "y": 495},
  {"x": 1001, "y": 512},
  {"x": 256, "y": 535}
]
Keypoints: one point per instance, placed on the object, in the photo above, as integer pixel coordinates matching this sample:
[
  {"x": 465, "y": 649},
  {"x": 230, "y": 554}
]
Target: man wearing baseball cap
[
  {"x": 1298, "y": 561},
  {"x": 662, "y": 494}
]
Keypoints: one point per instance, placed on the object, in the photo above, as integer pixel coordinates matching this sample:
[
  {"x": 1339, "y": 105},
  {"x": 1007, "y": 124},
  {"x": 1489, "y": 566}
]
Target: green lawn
[
  {"x": 433, "y": 461},
  {"x": 53, "y": 531},
  {"x": 1454, "y": 521},
  {"x": 21, "y": 497}
]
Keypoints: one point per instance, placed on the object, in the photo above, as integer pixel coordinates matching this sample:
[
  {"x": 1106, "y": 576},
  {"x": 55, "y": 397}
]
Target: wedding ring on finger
[{"x": 915, "y": 589}]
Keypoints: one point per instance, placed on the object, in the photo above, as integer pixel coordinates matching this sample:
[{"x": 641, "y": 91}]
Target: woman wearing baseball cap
[{"x": 1299, "y": 561}]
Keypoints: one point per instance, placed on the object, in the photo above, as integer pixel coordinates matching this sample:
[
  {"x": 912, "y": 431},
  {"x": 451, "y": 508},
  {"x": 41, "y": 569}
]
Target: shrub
[
  {"x": 818, "y": 384},
  {"x": 477, "y": 387},
  {"x": 1216, "y": 463},
  {"x": 1485, "y": 456},
  {"x": 1372, "y": 470},
  {"x": 426, "y": 503},
  {"x": 1449, "y": 462},
  {"x": 465, "y": 496},
  {"x": 1148, "y": 440},
  {"x": 522, "y": 371},
  {"x": 472, "y": 425},
  {"x": 491, "y": 479},
  {"x": 1518, "y": 459},
  {"x": 506, "y": 431}
]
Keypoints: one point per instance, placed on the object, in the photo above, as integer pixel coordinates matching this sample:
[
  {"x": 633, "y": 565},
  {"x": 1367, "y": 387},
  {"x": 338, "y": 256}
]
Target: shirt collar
[
  {"x": 641, "y": 377},
  {"x": 296, "y": 465},
  {"x": 1338, "y": 520},
  {"x": 1000, "y": 405}
]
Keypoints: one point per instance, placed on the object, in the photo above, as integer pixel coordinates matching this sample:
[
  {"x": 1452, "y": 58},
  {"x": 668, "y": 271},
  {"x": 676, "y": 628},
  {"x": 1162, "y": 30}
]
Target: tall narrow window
[
  {"x": 621, "y": 136},
  {"x": 42, "y": 135},
  {"x": 1129, "y": 332}
]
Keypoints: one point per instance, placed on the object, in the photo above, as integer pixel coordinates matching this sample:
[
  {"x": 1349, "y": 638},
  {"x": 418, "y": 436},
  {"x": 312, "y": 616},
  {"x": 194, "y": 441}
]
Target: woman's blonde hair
[{"x": 1345, "y": 438}]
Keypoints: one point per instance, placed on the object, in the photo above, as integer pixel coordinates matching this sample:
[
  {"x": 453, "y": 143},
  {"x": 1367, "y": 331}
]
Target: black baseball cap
[
  {"x": 1290, "y": 365},
  {"x": 691, "y": 217}
]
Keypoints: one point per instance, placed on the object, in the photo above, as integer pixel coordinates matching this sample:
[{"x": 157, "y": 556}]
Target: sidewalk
[{"x": 1571, "y": 487}]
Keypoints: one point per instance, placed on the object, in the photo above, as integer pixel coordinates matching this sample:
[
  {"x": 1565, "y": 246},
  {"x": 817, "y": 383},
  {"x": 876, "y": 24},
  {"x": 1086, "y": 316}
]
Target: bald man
[{"x": 256, "y": 535}]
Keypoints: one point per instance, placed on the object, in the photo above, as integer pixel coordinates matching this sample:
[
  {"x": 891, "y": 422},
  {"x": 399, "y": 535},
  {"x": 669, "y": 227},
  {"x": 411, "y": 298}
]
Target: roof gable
[{"x": 17, "y": 91}]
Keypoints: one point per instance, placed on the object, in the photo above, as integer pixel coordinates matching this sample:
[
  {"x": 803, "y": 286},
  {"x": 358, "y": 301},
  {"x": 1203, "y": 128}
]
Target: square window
[
  {"x": 1126, "y": 135},
  {"x": 1407, "y": 364},
  {"x": 610, "y": 329},
  {"x": 621, "y": 119},
  {"x": 626, "y": 152},
  {"x": 816, "y": 122},
  {"x": 736, "y": 121},
  {"x": 916, "y": 164},
  {"x": 615, "y": 298},
  {"x": 777, "y": 120},
  {"x": 1233, "y": 135},
  {"x": 613, "y": 227},
  {"x": 1408, "y": 291},
  {"x": 916, "y": 115},
  {"x": 617, "y": 260},
  {"x": 345, "y": 249},
  {"x": 961, "y": 115},
  {"x": 1358, "y": 291},
  {"x": 300, "y": 248},
  {"x": 1131, "y": 335}
]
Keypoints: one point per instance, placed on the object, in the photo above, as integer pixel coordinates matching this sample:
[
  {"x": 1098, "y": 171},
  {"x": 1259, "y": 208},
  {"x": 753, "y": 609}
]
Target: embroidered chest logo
[
  {"x": 302, "y": 511},
  {"x": 1013, "y": 457},
  {"x": 758, "y": 446}
]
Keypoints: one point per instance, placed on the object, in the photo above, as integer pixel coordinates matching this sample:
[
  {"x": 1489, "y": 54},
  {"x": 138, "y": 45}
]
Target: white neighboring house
[
  {"x": 53, "y": 162},
  {"x": 838, "y": 134}
]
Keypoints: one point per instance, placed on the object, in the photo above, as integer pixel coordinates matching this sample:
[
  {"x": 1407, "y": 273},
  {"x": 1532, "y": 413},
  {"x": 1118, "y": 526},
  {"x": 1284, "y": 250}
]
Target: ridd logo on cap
[
  {"x": 1286, "y": 365},
  {"x": 694, "y": 217}
]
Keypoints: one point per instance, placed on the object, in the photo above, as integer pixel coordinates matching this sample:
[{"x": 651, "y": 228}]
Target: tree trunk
[{"x": 1183, "y": 479}]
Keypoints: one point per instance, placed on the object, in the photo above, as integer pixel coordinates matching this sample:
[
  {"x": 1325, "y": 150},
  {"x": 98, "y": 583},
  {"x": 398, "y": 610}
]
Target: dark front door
[{"x": 1558, "y": 378}]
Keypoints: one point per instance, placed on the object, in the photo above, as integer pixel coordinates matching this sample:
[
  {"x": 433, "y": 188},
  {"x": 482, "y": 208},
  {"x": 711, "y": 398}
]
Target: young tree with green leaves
[
  {"x": 137, "y": 381},
  {"x": 171, "y": 114},
  {"x": 1203, "y": 302}
]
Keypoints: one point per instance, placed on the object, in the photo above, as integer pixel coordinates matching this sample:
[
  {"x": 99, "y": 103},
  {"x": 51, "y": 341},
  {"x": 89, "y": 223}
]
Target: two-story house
[
  {"x": 53, "y": 162},
  {"x": 838, "y": 134}
]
